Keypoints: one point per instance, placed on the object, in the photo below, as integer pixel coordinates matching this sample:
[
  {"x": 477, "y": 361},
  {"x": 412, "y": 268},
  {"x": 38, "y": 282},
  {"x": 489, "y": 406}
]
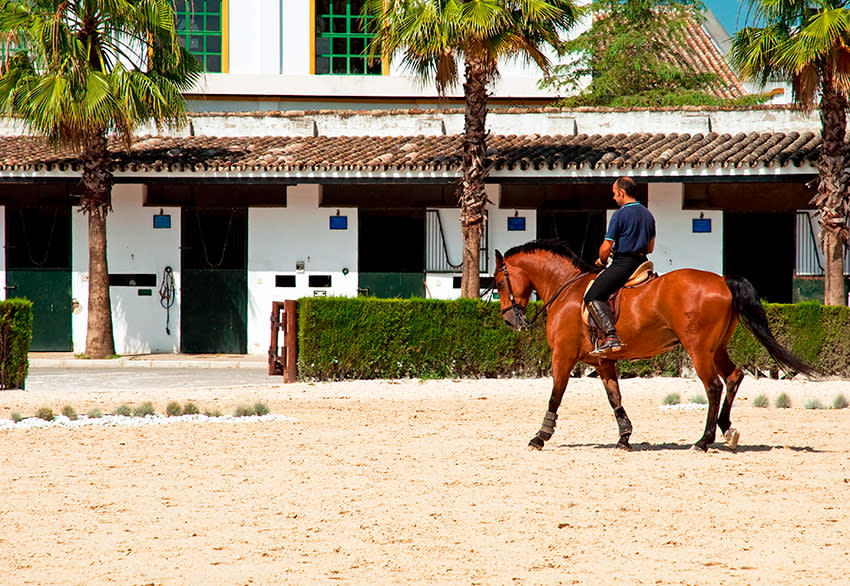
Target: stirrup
[{"x": 605, "y": 345}]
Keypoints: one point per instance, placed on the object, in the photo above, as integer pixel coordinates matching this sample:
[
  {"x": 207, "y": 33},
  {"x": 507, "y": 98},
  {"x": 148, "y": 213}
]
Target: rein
[{"x": 519, "y": 310}]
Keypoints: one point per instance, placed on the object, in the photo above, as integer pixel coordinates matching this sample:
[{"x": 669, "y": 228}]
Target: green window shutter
[
  {"x": 199, "y": 27},
  {"x": 341, "y": 39}
]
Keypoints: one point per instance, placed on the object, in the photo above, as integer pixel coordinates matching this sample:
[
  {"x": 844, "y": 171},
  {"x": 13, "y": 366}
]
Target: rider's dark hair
[{"x": 628, "y": 185}]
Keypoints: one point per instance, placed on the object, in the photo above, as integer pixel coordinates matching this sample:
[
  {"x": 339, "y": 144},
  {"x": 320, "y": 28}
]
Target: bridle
[{"x": 519, "y": 310}]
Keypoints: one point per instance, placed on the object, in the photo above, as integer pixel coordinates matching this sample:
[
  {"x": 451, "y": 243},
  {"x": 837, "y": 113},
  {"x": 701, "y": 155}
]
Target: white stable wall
[
  {"x": 272, "y": 37},
  {"x": 254, "y": 28},
  {"x": 676, "y": 246},
  {"x": 295, "y": 25},
  {"x": 280, "y": 237},
  {"x": 133, "y": 246}
]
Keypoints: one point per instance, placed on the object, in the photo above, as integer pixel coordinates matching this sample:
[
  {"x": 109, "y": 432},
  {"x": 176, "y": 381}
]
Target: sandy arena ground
[{"x": 429, "y": 483}]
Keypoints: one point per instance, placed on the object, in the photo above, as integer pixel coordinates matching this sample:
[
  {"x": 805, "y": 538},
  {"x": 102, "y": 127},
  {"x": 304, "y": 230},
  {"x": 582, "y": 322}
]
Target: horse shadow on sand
[{"x": 669, "y": 446}]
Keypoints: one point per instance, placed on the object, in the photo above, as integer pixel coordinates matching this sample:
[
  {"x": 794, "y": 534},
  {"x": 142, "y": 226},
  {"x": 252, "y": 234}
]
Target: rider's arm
[
  {"x": 605, "y": 250},
  {"x": 651, "y": 246}
]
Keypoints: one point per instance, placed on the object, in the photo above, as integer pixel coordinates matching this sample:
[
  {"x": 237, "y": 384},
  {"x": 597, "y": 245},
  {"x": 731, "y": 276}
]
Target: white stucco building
[{"x": 293, "y": 181}]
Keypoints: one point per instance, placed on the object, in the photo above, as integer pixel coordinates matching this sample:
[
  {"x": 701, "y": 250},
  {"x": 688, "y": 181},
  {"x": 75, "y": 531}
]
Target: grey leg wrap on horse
[{"x": 548, "y": 427}]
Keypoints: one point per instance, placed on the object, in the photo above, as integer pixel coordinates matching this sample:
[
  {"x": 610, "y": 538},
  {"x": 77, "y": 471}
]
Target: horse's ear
[{"x": 499, "y": 258}]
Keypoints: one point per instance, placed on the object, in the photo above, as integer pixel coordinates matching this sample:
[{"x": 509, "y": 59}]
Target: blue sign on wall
[
  {"x": 516, "y": 224},
  {"x": 701, "y": 225},
  {"x": 162, "y": 221},
  {"x": 339, "y": 222}
]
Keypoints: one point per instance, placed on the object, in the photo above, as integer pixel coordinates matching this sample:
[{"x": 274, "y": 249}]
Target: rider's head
[{"x": 625, "y": 190}]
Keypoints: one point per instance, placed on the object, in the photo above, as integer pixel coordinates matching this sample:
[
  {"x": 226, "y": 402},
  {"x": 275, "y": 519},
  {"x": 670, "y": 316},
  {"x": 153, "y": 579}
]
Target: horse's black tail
[{"x": 745, "y": 301}]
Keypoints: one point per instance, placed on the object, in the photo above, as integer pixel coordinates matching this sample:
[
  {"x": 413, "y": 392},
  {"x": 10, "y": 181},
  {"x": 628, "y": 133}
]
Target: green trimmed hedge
[
  {"x": 15, "y": 338},
  {"x": 351, "y": 338},
  {"x": 364, "y": 338}
]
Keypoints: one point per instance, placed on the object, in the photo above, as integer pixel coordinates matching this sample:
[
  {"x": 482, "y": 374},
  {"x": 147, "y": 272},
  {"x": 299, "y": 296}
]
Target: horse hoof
[
  {"x": 699, "y": 448},
  {"x": 536, "y": 444},
  {"x": 732, "y": 436},
  {"x": 625, "y": 446}
]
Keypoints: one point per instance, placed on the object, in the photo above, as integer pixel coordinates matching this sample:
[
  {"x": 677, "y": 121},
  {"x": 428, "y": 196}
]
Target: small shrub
[
  {"x": 699, "y": 399},
  {"x": 761, "y": 401},
  {"x": 15, "y": 337},
  {"x": 124, "y": 409},
  {"x": 94, "y": 413},
  {"x": 261, "y": 408},
  {"x": 144, "y": 409},
  {"x": 213, "y": 412},
  {"x": 16, "y": 417},
  {"x": 69, "y": 412},
  {"x": 814, "y": 404},
  {"x": 783, "y": 401},
  {"x": 45, "y": 413},
  {"x": 840, "y": 402},
  {"x": 190, "y": 409},
  {"x": 173, "y": 409},
  {"x": 673, "y": 399},
  {"x": 244, "y": 410}
]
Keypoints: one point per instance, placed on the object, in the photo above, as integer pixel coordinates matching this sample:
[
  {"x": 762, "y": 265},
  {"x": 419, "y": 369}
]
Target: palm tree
[
  {"x": 432, "y": 36},
  {"x": 808, "y": 43},
  {"x": 85, "y": 70}
]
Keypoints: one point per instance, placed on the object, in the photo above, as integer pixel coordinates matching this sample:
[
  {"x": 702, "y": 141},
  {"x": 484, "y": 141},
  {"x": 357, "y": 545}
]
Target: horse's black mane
[{"x": 554, "y": 246}]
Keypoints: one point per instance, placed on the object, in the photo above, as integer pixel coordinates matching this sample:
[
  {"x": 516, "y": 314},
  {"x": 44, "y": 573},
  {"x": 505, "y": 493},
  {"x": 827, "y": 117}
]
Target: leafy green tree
[
  {"x": 432, "y": 37},
  {"x": 807, "y": 42},
  {"x": 86, "y": 70},
  {"x": 632, "y": 55}
]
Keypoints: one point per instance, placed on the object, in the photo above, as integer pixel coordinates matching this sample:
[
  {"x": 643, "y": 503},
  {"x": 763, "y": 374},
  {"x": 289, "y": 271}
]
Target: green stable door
[
  {"x": 391, "y": 245},
  {"x": 214, "y": 281},
  {"x": 38, "y": 268}
]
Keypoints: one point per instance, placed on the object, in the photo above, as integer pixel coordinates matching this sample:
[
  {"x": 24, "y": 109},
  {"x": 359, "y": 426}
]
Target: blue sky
[{"x": 726, "y": 12}]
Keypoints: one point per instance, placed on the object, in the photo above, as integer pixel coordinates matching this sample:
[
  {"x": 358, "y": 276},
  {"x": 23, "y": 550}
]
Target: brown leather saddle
[{"x": 642, "y": 275}]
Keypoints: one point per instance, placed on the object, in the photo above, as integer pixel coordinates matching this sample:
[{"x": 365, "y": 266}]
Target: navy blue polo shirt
[{"x": 631, "y": 228}]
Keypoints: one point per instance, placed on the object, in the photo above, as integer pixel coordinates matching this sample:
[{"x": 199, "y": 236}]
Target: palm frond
[{"x": 94, "y": 65}]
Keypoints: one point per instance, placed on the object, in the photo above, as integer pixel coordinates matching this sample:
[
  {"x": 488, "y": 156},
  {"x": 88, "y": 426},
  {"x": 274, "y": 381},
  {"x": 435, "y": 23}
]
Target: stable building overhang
[{"x": 529, "y": 158}]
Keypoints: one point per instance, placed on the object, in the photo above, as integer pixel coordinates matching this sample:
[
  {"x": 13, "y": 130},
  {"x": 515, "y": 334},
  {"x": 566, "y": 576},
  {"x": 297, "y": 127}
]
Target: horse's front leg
[
  {"x": 607, "y": 370},
  {"x": 560, "y": 377}
]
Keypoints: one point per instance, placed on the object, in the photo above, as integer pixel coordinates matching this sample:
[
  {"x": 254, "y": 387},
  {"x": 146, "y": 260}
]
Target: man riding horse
[{"x": 630, "y": 236}]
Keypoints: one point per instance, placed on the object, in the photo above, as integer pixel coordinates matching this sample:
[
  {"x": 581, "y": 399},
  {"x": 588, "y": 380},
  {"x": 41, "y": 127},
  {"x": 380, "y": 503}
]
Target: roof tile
[{"x": 152, "y": 154}]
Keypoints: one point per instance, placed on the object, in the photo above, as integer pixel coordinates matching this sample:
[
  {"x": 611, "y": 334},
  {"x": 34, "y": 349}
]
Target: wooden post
[
  {"x": 284, "y": 317},
  {"x": 290, "y": 341}
]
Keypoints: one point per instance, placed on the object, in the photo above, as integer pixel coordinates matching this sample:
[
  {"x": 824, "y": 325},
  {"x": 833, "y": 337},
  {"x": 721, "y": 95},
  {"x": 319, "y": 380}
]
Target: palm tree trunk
[
  {"x": 471, "y": 195},
  {"x": 832, "y": 195},
  {"x": 96, "y": 203}
]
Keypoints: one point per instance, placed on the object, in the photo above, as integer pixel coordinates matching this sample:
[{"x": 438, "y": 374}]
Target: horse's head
[{"x": 514, "y": 290}]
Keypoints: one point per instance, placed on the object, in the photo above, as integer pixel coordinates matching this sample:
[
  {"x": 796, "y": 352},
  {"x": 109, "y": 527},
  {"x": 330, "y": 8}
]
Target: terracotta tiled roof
[
  {"x": 281, "y": 155},
  {"x": 704, "y": 57},
  {"x": 701, "y": 53}
]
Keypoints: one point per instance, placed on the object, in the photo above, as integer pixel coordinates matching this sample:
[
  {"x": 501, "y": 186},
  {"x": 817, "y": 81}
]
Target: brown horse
[{"x": 696, "y": 309}]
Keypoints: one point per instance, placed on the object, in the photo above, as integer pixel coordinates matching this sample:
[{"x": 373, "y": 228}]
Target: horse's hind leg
[
  {"x": 608, "y": 373},
  {"x": 732, "y": 376},
  {"x": 707, "y": 373}
]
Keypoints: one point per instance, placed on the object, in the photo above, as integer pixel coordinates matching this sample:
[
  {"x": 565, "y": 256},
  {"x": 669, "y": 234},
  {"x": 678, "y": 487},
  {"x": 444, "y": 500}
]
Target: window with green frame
[
  {"x": 341, "y": 39},
  {"x": 199, "y": 30}
]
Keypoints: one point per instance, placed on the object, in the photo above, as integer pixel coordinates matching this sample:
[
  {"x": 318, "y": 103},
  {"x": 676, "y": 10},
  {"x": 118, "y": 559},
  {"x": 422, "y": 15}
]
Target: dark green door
[
  {"x": 761, "y": 247},
  {"x": 583, "y": 231},
  {"x": 214, "y": 281},
  {"x": 38, "y": 268},
  {"x": 391, "y": 251}
]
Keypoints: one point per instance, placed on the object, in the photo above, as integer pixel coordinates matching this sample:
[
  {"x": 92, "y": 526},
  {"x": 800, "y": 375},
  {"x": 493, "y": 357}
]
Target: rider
[{"x": 631, "y": 236}]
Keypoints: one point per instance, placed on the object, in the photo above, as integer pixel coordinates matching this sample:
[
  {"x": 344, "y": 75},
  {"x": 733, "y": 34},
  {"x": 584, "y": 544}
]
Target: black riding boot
[{"x": 600, "y": 311}]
